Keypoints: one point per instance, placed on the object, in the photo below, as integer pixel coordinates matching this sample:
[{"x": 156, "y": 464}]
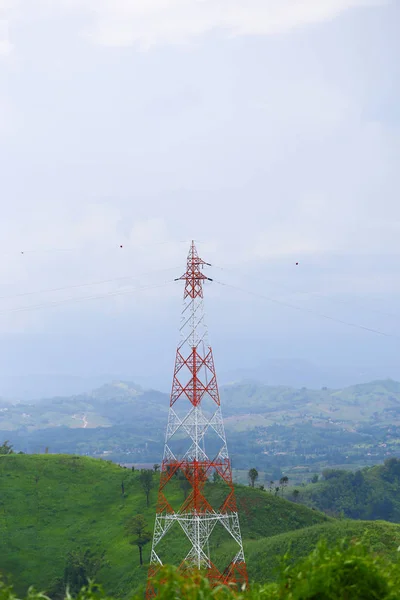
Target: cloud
[
  {"x": 135, "y": 149},
  {"x": 5, "y": 43},
  {"x": 147, "y": 23},
  {"x": 150, "y": 22},
  {"x": 81, "y": 246}
]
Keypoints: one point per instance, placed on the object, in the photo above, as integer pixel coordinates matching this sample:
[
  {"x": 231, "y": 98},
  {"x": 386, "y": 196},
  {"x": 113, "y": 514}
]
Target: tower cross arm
[{"x": 194, "y": 276}]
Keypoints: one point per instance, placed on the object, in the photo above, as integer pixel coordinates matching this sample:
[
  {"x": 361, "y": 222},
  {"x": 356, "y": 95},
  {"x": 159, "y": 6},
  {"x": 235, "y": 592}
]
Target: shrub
[{"x": 346, "y": 572}]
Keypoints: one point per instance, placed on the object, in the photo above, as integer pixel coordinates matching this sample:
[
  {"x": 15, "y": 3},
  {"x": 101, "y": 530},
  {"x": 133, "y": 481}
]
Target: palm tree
[{"x": 253, "y": 476}]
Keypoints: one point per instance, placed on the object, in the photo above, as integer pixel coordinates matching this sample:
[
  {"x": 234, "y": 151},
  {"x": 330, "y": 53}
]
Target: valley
[{"x": 279, "y": 430}]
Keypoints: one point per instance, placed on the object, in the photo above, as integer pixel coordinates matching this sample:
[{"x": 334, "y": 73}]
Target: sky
[{"x": 266, "y": 130}]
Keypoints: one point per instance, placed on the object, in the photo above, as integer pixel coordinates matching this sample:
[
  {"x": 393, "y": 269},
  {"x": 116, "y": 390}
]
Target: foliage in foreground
[{"x": 347, "y": 572}]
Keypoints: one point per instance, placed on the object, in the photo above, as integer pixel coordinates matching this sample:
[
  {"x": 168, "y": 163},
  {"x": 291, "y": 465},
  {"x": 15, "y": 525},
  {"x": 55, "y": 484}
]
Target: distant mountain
[
  {"x": 294, "y": 372},
  {"x": 275, "y": 428},
  {"x": 245, "y": 406},
  {"x": 299, "y": 373},
  {"x": 29, "y": 387},
  {"x": 114, "y": 403}
]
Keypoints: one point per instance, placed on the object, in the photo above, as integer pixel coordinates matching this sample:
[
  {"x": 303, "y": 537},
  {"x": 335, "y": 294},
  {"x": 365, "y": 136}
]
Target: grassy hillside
[
  {"x": 263, "y": 556},
  {"x": 51, "y": 504}
]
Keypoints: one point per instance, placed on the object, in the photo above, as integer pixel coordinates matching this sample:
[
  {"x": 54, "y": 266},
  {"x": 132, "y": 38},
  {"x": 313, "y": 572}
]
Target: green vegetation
[
  {"x": 137, "y": 528},
  {"x": 6, "y": 448},
  {"x": 81, "y": 568},
  {"x": 147, "y": 483},
  {"x": 370, "y": 493},
  {"x": 263, "y": 556},
  {"x": 346, "y": 571},
  {"x": 56, "y": 508},
  {"x": 253, "y": 476},
  {"x": 51, "y": 506},
  {"x": 65, "y": 519}
]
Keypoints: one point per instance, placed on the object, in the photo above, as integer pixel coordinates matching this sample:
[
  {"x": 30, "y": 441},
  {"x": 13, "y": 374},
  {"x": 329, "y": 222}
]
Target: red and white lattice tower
[{"x": 195, "y": 431}]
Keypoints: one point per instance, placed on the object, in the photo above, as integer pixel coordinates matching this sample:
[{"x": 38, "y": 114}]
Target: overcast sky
[{"x": 268, "y": 130}]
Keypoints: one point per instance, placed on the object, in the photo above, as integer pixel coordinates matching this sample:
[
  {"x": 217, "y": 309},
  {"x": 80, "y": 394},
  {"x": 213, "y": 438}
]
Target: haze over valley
[{"x": 280, "y": 430}]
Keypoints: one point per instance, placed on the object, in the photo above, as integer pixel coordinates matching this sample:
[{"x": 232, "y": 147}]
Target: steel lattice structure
[{"x": 194, "y": 427}]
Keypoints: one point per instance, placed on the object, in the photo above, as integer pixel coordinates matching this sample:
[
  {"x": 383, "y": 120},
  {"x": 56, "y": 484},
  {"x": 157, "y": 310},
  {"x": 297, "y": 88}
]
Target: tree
[
  {"x": 314, "y": 478},
  {"x": 136, "y": 528},
  {"x": 156, "y": 468},
  {"x": 253, "y": 476},
  {"x": 81, "y": 566},
  {"x": 358, "y": 479},
  {"x": 276, "y": 490},
  {"x": 295, "y": 495},
  {"x": 6, "y": 448},
  {"x": 271, "y": 485},
  {"x": 382, "y": 509},
  {"x": 391, "y": 469},
  {"x": 284, "y": 481},
  {"x": 146, "y": 481},
  {"x": 333, "y": 474}
]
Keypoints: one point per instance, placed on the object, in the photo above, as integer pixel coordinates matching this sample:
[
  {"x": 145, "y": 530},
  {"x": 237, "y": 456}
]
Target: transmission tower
[{"x": 208, "y": 516}]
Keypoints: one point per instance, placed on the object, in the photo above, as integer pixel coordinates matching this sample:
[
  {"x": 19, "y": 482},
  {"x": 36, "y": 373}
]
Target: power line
[
  {"x": 77, "y": 300},
  {"x": 323, "y": 296},
  {"x": 347, "y": 302},
  {"x": 308, "y": 310},
  {"x": 80, "y": 285}
]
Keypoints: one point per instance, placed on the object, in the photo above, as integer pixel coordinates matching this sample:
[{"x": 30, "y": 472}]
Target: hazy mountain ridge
[
  {"x": 354, "y": 403},
  {"x": 269, "y": 427},
  {"x": 109, "y": 405}
]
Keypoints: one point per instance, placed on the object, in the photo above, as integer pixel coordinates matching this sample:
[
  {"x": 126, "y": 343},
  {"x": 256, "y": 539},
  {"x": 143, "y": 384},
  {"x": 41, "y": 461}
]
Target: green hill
[
  {"x": 53, "y": 504},
  {"x": 263, "y": 556},
  {"x": 370, "y": 493}
]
